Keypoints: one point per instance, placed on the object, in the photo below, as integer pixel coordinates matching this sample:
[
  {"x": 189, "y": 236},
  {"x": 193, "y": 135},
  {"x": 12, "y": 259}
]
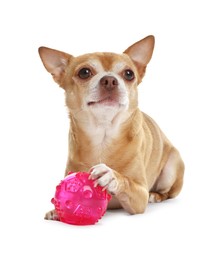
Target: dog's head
[{"x": 100, "y": 83}]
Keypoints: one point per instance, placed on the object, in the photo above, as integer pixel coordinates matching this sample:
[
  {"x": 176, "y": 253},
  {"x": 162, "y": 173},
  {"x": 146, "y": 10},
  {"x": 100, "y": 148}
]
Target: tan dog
[{"x": 123, "y": 148}]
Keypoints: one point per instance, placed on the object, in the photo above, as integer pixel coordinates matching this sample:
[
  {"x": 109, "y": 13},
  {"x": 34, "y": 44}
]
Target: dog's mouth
[{"x": 108, "y": 101}]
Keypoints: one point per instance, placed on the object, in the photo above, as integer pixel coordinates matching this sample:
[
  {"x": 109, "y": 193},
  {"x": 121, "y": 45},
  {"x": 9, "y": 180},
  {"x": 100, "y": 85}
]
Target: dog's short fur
[{"x": 122, "y": 148}]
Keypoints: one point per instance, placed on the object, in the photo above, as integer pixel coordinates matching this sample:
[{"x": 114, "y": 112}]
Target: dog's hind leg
[{"x": 170, "y": 181}]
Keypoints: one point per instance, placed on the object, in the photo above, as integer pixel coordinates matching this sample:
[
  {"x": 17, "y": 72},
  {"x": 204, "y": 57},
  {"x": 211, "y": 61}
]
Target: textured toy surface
[{"x": 78, "y": 202}]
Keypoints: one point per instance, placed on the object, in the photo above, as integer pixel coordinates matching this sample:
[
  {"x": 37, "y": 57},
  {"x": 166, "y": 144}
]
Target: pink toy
[{"x": 78, "y": 202}]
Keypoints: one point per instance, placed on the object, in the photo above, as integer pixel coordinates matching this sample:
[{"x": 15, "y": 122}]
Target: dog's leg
[
  {"x": 170, "y": 181},
  {"x": 132, "y": 196},
  {"x": 51, "y": 215}
]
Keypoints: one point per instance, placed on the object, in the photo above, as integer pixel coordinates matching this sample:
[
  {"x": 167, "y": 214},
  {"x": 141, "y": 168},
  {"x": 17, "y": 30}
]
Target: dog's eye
[
  {"x": 84, "y": 73},
  {"x": 129, "y": 75}
]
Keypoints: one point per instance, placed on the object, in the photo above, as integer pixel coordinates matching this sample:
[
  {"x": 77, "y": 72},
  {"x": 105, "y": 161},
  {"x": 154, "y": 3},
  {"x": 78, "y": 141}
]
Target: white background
[{"x": 181, "y": 91}]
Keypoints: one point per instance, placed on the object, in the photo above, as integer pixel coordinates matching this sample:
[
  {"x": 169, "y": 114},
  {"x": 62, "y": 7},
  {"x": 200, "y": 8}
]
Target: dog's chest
[
  {"x": 101, "y": 136},
  {"x": 99, "y": 139},
  {"x": 96, "y": 147}
]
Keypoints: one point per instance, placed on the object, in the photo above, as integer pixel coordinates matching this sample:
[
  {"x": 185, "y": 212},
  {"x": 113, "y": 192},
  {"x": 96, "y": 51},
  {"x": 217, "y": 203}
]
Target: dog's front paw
[{"x": 105, "y": 177}]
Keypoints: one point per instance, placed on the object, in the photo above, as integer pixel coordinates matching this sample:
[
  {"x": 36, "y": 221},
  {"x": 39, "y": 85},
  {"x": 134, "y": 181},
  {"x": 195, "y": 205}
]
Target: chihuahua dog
[{"x": 121, "y": 147}]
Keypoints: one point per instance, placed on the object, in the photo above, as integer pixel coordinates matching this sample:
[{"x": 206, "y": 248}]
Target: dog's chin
[{"x": 107, "y": 109}]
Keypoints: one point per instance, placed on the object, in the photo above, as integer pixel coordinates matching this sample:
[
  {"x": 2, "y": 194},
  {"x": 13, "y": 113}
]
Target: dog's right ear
[{"x": 55, "y": 62}]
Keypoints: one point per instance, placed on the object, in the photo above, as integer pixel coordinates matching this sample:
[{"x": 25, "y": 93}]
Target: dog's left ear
[
  {"x": 141, "y": 53},
  {"x": 55, "y": 62}
]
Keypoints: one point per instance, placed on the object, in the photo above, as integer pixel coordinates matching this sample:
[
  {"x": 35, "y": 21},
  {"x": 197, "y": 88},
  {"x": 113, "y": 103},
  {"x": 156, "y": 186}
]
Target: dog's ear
[
  {"x": 55, "y": 62},
  {"x": 141, "y": 53}
]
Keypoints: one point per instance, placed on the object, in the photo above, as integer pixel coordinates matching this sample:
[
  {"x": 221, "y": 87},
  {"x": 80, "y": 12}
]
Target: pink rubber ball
[{"x": 78, "y": 202}]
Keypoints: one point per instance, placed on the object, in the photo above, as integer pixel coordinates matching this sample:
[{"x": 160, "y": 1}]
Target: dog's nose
[{"x": 109, "y": 82}]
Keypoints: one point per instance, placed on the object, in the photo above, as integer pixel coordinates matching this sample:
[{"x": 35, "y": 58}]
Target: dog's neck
[{"x": 100, "y": 127}]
